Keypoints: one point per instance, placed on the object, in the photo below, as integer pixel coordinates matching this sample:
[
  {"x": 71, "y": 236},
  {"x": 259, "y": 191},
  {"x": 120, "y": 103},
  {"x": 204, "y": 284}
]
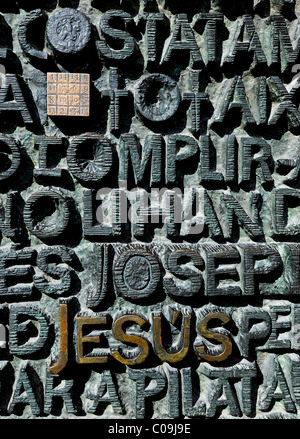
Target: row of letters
[{"x": 244, "y": 38}]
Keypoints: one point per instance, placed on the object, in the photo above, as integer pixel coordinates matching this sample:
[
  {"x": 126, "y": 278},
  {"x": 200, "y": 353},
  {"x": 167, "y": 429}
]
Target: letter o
[
  {"x": 49, "y": 226},
  {"x": 82, "y": 166},
  {"x": 157, "y": 97},
  {"x": 64, "y": 40},
  {"x": 136, "y": 274}
]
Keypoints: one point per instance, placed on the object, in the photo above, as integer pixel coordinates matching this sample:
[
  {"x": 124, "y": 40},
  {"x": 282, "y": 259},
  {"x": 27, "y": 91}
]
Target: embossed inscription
[{"x": 149, "y": 210}]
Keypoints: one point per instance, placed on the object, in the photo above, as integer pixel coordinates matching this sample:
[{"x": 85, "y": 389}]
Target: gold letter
[
  {"x": 81, "y": 321},
  {"x": 63, "y": 358},
  {"x": 122, "y": 336},
  {"x": 215, "y": 336}
]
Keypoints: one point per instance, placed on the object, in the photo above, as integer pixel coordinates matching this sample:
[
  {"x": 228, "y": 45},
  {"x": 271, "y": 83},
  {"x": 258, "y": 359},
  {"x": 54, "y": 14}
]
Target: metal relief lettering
[
  {"x": 149, "y": 210},
  {"x": 163, "y": 94}
]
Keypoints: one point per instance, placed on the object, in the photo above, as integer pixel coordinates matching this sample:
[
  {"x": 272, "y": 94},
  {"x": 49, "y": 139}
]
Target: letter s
[
  {"x": 116, "y": 34},
  {"x": 214, "y": 336}
]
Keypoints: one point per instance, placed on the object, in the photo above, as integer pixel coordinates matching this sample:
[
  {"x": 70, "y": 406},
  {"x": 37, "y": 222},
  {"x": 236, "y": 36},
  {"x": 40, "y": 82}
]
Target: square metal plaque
[{"x": 68, "y": 94}]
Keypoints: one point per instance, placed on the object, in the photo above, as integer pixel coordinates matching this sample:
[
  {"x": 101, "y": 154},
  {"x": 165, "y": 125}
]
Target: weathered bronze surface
[
  {"x": 68, "y": 30},
  {"x": 149, "y": 209}
]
